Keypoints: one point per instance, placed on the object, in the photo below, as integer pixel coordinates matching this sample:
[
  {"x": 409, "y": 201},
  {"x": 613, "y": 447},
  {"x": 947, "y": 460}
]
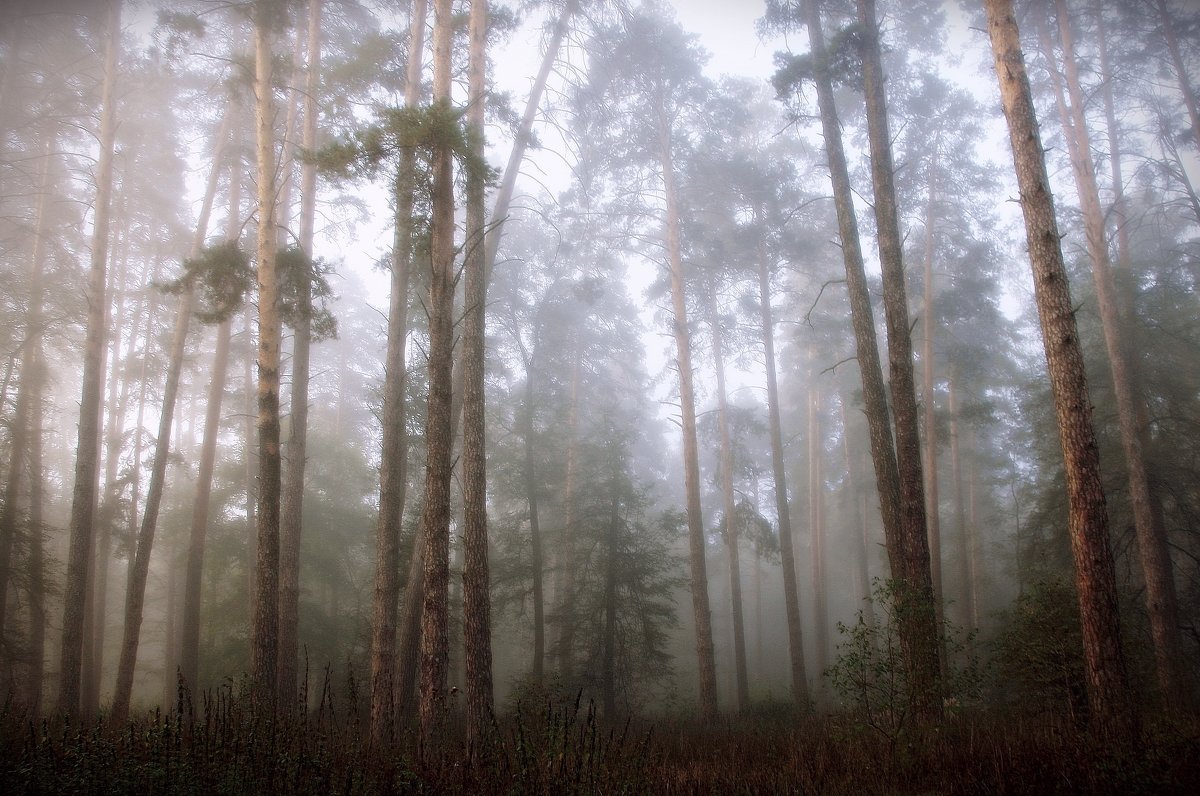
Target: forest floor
[{"x": 220, "y": 748}]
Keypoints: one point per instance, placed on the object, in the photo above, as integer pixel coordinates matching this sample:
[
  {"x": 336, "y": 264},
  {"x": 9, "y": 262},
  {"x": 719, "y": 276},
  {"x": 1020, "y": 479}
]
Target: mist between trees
[{"x": 336, "y": 352}]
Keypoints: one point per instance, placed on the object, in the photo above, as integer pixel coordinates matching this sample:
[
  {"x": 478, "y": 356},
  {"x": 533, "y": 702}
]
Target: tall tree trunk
[
  {"x": 791, "y": 593},
  {"x": 27, "y": 390},
  {"x": 730, "y": 505},
  {"x": 1162, "y": 603},
  {"x": 37, "y": 556},
  {"x": 291, "y": 514},
  {"x": 83, "y": 500},
  {"x": 477, "y": 606},
  {"x": 1107, "y": 683},
  {"x": 135, "y": 594},
  {"x": 705, "y": 659},
  {"x": 608, "y": 647},
  {"x": 189, "y": 642},
  {"x": 862, "y": 537},
  {"x": 393, "y": 467},
  {"x": 966, "y": 544},
  {"x": 917, "y": 608},
  {"x": 250, "y": 455},
  {"x": 566, "y": 578},
  {"x": 896, "y": 524},
  {"x": 264, "y": 629},
  {"x": 816, "y": 526},
  {"x": 535, "y": 529},
  {"x": 435, "y": 509},
  {"x": 932, "y": 496}
]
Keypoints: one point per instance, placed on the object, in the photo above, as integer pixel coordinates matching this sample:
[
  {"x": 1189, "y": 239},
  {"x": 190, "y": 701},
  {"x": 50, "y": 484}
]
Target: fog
[{"x": 698, "y": 362}]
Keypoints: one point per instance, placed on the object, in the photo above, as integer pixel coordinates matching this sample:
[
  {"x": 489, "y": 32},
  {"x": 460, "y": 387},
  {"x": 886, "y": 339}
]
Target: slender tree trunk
[
  {"x": 435, "y": 509},
  {"x": 918, "y": 600},
  {"x": 291, "y": 513},
  {"x": 37, "y": 556},
  {"x": 1108, "y": 694},
  {"x": 535, "y": 530},
  {"x": 83, "y": 502},
  {"x": 27, "y": 390},
  {"x": 862, "y": 537},
  {"x": 608, "y": 650},
  {"x": 393, "y": 468},
  {"x": 566, "y": 579},
  {"x": 264, "y": 630},
  {"x": 135, "y": 594},
  {"x": 250, "y": 456},
  {"x": 932, "y": 496},
  {"x": 477, "y": 621},
  {"x": 189, "y": 644},
  {"x": 1161, "y": 601},
  {"x": 732, "y": 530},
  {"x": 791, "y": 593},
  {"x": 816, "y": 526},
  {"x": 966, "y": 573},
  {"x": 706, "y": 662}
]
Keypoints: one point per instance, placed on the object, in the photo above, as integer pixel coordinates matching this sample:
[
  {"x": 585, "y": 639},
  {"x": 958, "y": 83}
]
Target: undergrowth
[{"x": 565, "y": 747}]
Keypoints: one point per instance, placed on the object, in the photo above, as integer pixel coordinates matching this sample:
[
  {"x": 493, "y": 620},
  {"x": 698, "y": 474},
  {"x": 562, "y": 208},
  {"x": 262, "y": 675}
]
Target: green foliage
[
  {"x": 842, "y": 64},
  {"x": 222, "y": 277},
  {"x": 870, "y": 677},
  {"x": 296, "y": 272},
  {"x": 1039, "y": 651}
]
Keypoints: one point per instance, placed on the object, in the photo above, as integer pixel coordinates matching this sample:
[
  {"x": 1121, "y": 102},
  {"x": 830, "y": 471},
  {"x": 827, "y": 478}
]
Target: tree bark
[
  {"x": 435, "y": 510},
  {"x": 730, "y": 505},
  {"x": 816, "y": 528},
  {"x": 706, "y": 662},
  {"x": 917, "y": 599},
  {"x": 608, "y": 646},
  {"x": 83, "y": 501},
  {"x": 477, "y": 622},
  {"x": 291, "y": 512},
  {"x": 1162, "y": 604},
  {"x": 535, "y": 530},
  {"x": 932, "y": 496},
  {"x": 264, "y": 629},
  {"x": 966, "y": 542},
  {"x": 791, "y": 594},
  {"x": 1107, "y": 683},
  {"x": 393, "y": 467},
  {"x": 566, "y": 579}
]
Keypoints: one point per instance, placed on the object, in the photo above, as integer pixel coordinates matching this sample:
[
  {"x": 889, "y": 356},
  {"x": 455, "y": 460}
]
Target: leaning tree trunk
[
  {"x": 135, "y": 594},
  {"x": 189, "y": 637},
  {"x": 264, "y": 629},
  {"x": 1162, "y": 604},
  {"x": 435, "y": 509},
  {"x": 791, "y": 594},
  {"x": 393, "y": 466},
  {"x": 730, "y": 503},
  {"x": 83, "y": 499},
  {"x": 1104, "y": 662},
  {"x": 291, "y": 513},
  {"x": 916, "y": 598},
  {"x": 705, "y": 658},
  {"x": 477, "y": 622}
]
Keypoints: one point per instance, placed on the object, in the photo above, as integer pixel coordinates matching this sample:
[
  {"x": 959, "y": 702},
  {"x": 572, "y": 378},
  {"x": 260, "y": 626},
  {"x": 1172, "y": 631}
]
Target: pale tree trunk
[
  {"x": 1162, "y": 604},
  {"x": 135, "y": 594},
  {"x": 705, "y": 658},
  {"x": 83, "y": 501},
  {"x": 435, "y": 509},
  {"x": 477, "y": 622},
  {"x": 608, "y": 644},
  {"x": 791, "y": 593},
  {"x": 862, "y": 536},
  {"x": 189, "y": 642},
  {"x": 816, "y": 527},
  {"x": 27, "y": 388},
  {"x": 1104, "y": 662},
  {"x": 1114, "y": 140},
  {"x": 393, "y": 466},
  {"x": 37, "y": 555},
  {"x": 290, "y": 522},
  {"x": 535, "y": 529},
  {"x": 730, "y": 504},
  {"x": 918, "y": 601},
  {"x": 264, "y": 629},
  {"x": 566, "y": 579},
  {"x": 966, "y": 544}
]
